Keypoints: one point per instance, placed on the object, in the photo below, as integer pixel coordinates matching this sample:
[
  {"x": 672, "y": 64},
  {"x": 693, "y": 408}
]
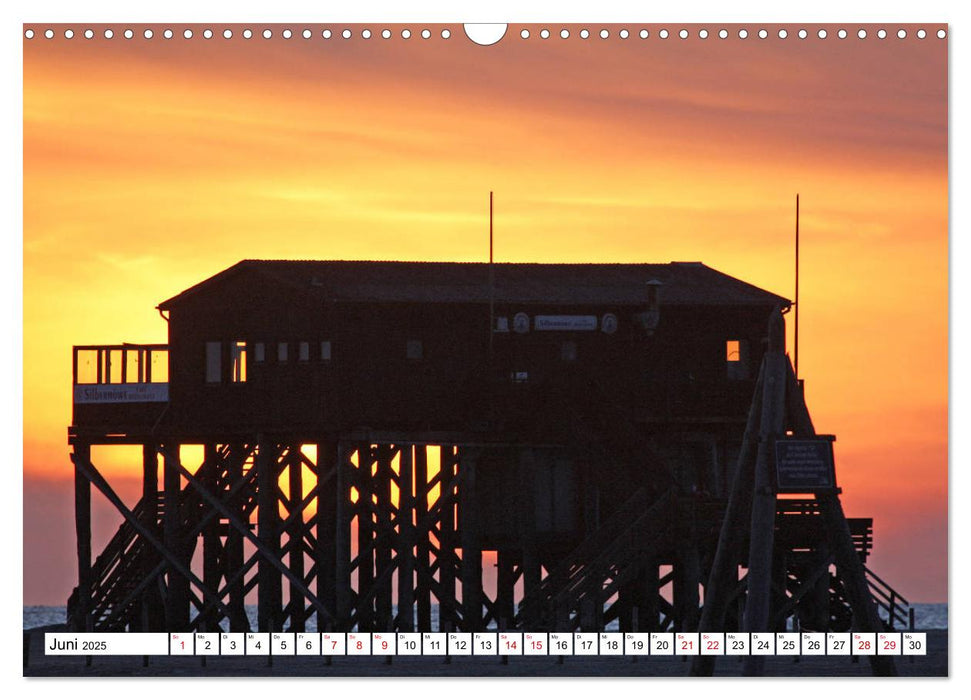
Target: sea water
[{"x": 927, "y": 616}]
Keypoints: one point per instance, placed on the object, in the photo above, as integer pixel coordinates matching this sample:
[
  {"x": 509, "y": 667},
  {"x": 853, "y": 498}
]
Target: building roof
[{"x": 682, "y": 283}]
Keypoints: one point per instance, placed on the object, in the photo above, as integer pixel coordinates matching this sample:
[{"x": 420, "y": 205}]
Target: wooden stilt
[
  {"x": 82, "y": 526},
  {"x": 238, "y": 622},
  {"x": 422, "y": 544},
  {"x": 526, "y": 510},
  {"x": 152, "y": 614},
  {"x": 761, "y": 540},
  {"x": 365, "y": 534},
  {"x": 295, "y": 547},
  {"x": 269, "y": 590},
  {"x": 328, "y": 495},
  {"x": 505, "y": 584},
  {"x": 406, "y": 549},
  {"x": 177, "y": 594},
  {"x": 212, "y": 548},
  {"x": 446, "y": 554},
  {"x": 344, "y": 513},
  {"x": 471, "y": 551},
  {"x": 384, "y": 536}
]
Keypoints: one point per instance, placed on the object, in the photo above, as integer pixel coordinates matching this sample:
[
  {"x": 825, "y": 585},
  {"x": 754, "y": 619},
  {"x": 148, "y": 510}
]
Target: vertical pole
[
  {"x": 238, "y": 622},
  {"x": 365, "y": 527},
  {"x": 505, "y": 585},
  {"x": 423, "y": 563},
  {"x": 797, "y": 289},
  {"x": 270, "y": 589},
  {"x": 406, "y": 540},
  {"x": 151, "y": 601},
  {"x": 211, "y": 545},
  {"x": 82, "y": 525},
  {"x": 492, "y": 288},
  {"x": 446, "y": 550},
  {"x": 177, "y": 595},
  {"x": 385, "y": 537},
  {"x": 647, "y": 607},
  {"x": 295, "y": 547},
  {"x": 527, "y": 530},
  {"x": 762, "y": 538},
  {"x": 471, "y": 551},
  {"x": 342, "y": 539},
  {"x": 327, "y": 526}
]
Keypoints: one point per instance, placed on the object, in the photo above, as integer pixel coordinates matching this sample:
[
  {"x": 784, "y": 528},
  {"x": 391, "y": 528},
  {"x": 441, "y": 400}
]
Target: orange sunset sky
[{"x": 150, "y": 165}]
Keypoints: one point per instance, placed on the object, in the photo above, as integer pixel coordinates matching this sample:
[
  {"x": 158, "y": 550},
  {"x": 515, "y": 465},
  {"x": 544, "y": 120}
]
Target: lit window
[
  {"x": 303, "y": 352},
  {"x": 733, "y": 351},
  {"x": 325, "y": 350},
  {"x": 736, "y": 359},
  {"x": 281, "y": 352},
  {"x": 259, "y": 352},
  {"x": 413, "y": 350},
  {"x": 214, "y": 362},
  {"x": 239, "y": 361}
]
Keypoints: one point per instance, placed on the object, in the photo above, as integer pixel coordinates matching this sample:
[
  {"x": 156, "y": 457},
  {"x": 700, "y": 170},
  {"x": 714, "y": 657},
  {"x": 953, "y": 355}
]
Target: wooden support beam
[
  {"x": 506, "y": 585},
  {"x": 269, "y": 591},
  {"x": 295, "y": 549},
  {"x": 471, "y": 549},
  {"x": 761, "y": 540},
  {"x": 447, "y": 613},
  {"x": 82, "y": 526},
  {"x": 648, "y": 596},
  {"x": 212, "y": 548},
  {"x": 233, "y": 558},
  {"x": 406, "y": 539},
  {"x": 152, "y": 606},
  {"x": 325, "y": 550},
  {"x": 344, "y": 513},
  {"x": 365, "y": 535},
  {"x": 422, "y": 545},
  {"x": 384, "y": 535},
  {"x": 177, "y": 592},
  {"x": 723, "y": 578},
  {"x": 526, "y": 521}
]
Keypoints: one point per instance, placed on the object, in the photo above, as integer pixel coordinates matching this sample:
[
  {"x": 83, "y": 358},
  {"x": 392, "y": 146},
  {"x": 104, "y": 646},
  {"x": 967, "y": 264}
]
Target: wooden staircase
[{"x": 128, "y": 559}]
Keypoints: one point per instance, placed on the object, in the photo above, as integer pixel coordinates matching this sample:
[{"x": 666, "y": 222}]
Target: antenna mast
[
  {"x": 796, "y": 369},
  {"x": 492, "y": 285}
]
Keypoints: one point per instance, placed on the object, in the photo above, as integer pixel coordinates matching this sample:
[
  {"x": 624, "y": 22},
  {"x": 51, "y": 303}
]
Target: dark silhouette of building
[{"x": 371, "y": 428}]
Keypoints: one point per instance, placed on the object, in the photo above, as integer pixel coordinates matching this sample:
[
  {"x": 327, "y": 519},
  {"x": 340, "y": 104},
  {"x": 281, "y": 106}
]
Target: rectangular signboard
[
  {"x": 804, "y": 465},
  {"x": 121, "y": 393},
  {"x": 565, "y": 323}
]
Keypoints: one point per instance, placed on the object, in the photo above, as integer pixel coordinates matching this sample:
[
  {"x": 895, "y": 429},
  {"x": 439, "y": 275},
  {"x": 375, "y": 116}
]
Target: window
[
  {"x": 239, "y": 361},
  {"x": 259, "y": 352},
  {"x": 736, "y": 358},
  {"x": 214, "y": 369},
  {"x": 281, "y": 352},
  {"x": 413, "y": 350},
  {"x": 303, "y": 352},
  {"x": 325, "y": 350}
]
